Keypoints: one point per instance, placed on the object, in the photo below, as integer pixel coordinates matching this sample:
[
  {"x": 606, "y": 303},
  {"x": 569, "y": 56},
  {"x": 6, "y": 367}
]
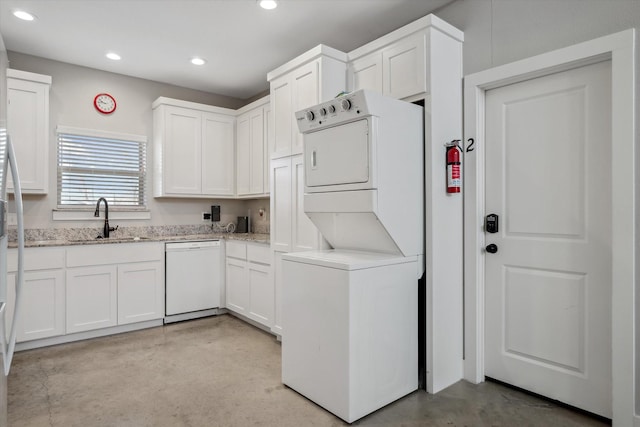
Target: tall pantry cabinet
[
  {"x": 315, "y": 76},
  {"x": 422, "y": 61}
]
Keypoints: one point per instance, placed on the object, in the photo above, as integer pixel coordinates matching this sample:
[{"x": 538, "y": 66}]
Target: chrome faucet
[{"x": 107, "y": 229}]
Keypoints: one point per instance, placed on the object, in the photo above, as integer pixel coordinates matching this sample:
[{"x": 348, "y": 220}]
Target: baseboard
[
  {"x": 63, "y": 339},
  {"x": 191, "y": 315},
  {"x": 251, "y": 322}
]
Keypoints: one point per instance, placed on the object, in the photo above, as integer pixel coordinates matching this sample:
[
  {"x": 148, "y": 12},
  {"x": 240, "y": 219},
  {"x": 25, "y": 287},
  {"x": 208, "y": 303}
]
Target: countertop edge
[{"x": 246, "y": 237}]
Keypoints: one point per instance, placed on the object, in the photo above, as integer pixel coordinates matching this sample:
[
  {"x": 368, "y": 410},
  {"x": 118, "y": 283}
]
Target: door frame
[{"x": 619, "y": 48}]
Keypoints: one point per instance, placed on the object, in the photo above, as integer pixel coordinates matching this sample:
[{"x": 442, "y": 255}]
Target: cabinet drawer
[
  {"x": 259, "y": 253},
  {"x": 116, "y": 253},
  {"x": 37, "y": 259},
  {"x": 237, "y": 250}
]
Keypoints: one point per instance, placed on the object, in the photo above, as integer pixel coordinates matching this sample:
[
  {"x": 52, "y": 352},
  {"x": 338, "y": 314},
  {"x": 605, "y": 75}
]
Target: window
[{"x": 94, "y": 164}]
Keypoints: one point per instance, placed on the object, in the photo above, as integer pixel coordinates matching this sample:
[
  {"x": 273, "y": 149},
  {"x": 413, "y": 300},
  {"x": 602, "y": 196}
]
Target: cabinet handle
[{"x": 313, "y": 159}]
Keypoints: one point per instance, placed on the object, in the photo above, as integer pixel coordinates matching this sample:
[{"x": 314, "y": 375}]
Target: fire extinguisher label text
[{"x": 453, "y": 175}]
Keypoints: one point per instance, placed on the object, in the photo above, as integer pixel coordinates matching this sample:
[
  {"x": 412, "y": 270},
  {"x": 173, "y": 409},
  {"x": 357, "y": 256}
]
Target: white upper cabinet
[
  {"x": 217, "y": 155},
  {"x": 193, "y": 150},
  {"x": 316, "y": 76},
  {"x": 282, "y": 129},
  {"x": 403, "y": 68},
  {"x": 28, "y": 126},
  {"x": 398, "y": 64},
  {"x": 397, "y": 70},
  {"x": 181, "y": 150},
  {"x": 366, "y": 72},
  {"x": 252, "y": 161}
]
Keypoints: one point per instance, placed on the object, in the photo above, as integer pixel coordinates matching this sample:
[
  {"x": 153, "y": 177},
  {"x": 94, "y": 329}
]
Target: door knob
[{"x": 492, "y": 248}]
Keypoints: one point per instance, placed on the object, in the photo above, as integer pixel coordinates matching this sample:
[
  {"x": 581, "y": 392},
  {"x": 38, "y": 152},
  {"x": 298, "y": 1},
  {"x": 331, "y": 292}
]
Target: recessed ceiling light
[
  {"x": 198, "y": 61},
  {"x": 268, "y": 4},
  {"x": 113, "y": 56},
  {"x": 25, "y": 16}
]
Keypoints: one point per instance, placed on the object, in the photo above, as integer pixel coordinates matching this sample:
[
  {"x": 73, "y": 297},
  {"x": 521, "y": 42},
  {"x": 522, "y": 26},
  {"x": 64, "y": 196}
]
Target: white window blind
[
  {"x": 3, "y": 155},
  {"x": 94, "y": 164}
]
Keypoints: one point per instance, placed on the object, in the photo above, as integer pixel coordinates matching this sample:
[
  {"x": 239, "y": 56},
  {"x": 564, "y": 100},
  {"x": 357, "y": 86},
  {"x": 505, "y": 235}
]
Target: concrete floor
[{"x": 221, "y": 371}]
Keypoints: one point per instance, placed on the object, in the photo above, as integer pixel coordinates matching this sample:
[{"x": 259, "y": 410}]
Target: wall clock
[{"x": 104, "y": 103}]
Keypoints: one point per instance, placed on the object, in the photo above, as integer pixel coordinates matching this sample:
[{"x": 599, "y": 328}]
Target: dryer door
[{"x": 338, "y": 155}]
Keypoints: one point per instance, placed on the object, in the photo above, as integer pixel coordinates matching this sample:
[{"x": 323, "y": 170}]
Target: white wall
[
  {"x": 502, "y": 31},
  {"x": 71, "y": 104}
]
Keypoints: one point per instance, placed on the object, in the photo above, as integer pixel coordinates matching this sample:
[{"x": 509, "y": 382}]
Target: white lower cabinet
[
  {"x": 110, "y": 295},
  {"x": 42, "y": 311},
  {"x": 109, "y": 285},
  {"x": 140, "y": 292},
  {"x": 83, "y": 288},
  {"x": 92, "y": 298},
  {"x": 237, "y": 286},
  {"x": 260, "y": 293},
  {"x": 277, "y": 279},
  {"x": 249, "y": 281}
]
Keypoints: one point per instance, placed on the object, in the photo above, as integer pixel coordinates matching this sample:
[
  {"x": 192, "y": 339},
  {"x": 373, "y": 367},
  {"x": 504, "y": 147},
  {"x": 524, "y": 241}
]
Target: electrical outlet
[{"x": 206, "y": 216}]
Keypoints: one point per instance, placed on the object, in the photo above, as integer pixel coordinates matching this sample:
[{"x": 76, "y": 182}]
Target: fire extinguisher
[{"x": 454, "y": 177}]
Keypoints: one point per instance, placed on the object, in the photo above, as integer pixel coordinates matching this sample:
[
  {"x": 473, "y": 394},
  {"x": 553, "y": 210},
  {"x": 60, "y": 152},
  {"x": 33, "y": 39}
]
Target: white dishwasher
[{"x": 193, "y": 279}]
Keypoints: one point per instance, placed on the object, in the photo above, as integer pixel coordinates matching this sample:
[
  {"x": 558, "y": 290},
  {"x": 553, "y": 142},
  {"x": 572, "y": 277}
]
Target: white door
[{"x": 548, "y": 286}]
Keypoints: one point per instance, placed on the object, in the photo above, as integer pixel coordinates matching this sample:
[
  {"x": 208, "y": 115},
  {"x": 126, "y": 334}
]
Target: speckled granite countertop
[
  {"x": 69, "y": 237},
  {"x": 248, "y": 237}
]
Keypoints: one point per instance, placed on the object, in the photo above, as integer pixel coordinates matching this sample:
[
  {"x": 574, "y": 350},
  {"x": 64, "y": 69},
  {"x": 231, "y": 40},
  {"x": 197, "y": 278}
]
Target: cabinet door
[
  {"x": 182, "y": 151},
  {"x": 237, "y": 286},
  {"x": 218, "y": 165},
  {"x": 305, "y": 92},
  {"x": 366, "y": 73},
  {"x": 268, "y": 144},
  {"x": 257, "y": 152},
  {"x": 304, "y": 234},
  {"x": 28, "y": 125},
  {"x": 282, "y": 111},
  {"x": 280, "y": 201},
  {"x": 261, "y": 293},
  {"x": 243, "y": 154},
  {"x": 140, "y": 292},
  {"x": 277, "y": 294},
  {"x": 43, "y": 304},
  {"x": 404, "y": 68},
  {"x": 91, "y": 298},
  {"x": 250, "y": 153}
]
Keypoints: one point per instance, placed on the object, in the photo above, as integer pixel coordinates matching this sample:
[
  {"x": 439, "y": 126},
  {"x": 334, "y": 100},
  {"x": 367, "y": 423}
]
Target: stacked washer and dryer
[{"x": 350, "y": 314}]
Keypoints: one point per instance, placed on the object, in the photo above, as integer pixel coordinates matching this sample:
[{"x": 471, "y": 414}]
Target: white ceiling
[{"x": 157, "y": 38}]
